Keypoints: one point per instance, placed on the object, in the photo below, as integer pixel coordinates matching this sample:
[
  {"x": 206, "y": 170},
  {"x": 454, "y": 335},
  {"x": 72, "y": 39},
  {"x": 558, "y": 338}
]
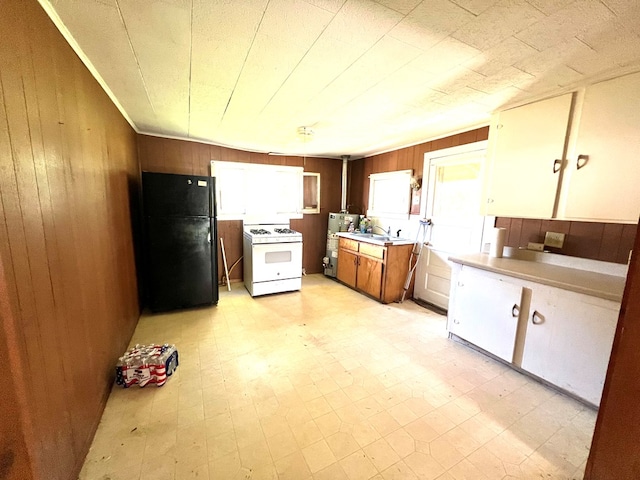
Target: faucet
[
  {"x": 387, "y": 232},
  {"x": 398, "y": 233}
]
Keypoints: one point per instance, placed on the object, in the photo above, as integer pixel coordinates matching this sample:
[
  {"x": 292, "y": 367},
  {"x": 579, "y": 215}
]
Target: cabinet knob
[
  {"x": 537, "y": 318},
  {"x": 456, "y": 321},
  {"x": 515, "y": 310}
]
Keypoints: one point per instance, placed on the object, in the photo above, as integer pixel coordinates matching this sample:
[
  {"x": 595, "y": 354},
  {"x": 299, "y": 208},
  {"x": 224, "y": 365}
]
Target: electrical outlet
[
  {"x": 538, "y": 247},
  {"x": 554, "y": 239}
]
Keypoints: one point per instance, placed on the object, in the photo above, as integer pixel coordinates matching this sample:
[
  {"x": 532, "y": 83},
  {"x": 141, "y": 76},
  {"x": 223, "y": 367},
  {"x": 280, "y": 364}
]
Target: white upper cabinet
[
  {"x": 570, "y": 157},
  {"x": 231, "y": 198},
  {"x": 259, "y": 191},
  {"x": 526, "y": 148},
  {"x": 603, "y": 171}
]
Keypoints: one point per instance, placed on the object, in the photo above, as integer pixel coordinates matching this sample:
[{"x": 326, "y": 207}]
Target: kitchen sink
[{"x": 380, "y": 237}]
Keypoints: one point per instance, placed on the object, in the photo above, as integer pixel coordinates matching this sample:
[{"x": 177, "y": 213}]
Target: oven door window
[
  {"x": 276, "y": 261},
  {"x": 278, "y": 257}
]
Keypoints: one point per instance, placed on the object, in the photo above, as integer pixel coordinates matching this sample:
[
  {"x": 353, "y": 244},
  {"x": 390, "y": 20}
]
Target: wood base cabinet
[
  {"x": 376, "y": 270},
  {"x": 369, "y": 278},
  {"x": 347, "y": 267}
]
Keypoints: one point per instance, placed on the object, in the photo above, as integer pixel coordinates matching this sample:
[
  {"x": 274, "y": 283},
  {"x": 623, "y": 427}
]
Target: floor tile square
[{"x": 318, "y": 456}]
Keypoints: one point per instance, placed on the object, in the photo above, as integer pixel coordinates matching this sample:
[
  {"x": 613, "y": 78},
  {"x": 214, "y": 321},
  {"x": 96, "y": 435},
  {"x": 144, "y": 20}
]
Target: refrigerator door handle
[{"x": 209, "y": 237}]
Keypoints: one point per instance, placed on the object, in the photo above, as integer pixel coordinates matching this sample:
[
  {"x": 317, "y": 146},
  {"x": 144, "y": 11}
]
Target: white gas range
[{"x": 272, "y": 258}]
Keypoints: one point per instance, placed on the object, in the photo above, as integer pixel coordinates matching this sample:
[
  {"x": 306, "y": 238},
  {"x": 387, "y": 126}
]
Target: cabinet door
[
  {"x": 603, "y": 183},
  {"x": 369, "y": 276},
  {"x": 486, "y": 311},
  {"x": 288, "y": 192},
  {"x": 347, "y": 267},
  {"x": 524, "y": 144},
  {"x": 231, "y": 185},
  {"x": 568, "y": 340}
]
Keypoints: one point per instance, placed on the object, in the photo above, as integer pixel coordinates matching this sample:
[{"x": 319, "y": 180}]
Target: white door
[{"x": 453, "y": 205}]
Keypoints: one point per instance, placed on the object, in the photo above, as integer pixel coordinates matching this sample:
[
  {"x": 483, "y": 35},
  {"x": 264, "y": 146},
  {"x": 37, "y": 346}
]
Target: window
[
  {"x": 311, "y": 188},
  {"x": 389, "y": 194}
]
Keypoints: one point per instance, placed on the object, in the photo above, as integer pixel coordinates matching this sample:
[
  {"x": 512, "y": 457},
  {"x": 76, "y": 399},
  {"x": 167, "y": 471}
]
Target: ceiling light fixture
[{"x": 305, "y": 132}]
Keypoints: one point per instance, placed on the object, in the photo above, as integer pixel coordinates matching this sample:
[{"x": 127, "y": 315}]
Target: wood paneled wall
[
  {"x": 178, "y": 156},
  {"x": 408, "y": 158},
  {"x": 68, "y": 182},
  {"x": 14, "y": 457},
  {"x": 609, "y": 242},
  {"x": 615, "y": 449}
]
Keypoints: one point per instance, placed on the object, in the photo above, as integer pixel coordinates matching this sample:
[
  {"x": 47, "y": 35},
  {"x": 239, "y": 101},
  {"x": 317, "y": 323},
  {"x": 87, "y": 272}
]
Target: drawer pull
[
  {"x": 456, "y": 321},
  {"x": 537, "y": 318},
  {"x": 556, "y": 165},
  {"x": 515, "y": 310}
]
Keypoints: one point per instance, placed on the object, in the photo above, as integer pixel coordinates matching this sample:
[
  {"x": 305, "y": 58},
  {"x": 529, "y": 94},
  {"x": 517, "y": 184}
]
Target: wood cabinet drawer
[
  {"x": 375, "y": 251},
  {"x": 349, "y": 244}
]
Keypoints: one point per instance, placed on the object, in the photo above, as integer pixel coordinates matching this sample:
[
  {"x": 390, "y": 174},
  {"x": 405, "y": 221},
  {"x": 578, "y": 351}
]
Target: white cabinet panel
[
  {"x": 558, "y": 335},
  {"x": 526, "y": 147},
  {"x": 604, "y": 181},
  {"x": 568, "y": 340},
  {"x": 231, "y": 181},
  {"x": 259, "y": 191},
  {"x": 485, "y": 311}
]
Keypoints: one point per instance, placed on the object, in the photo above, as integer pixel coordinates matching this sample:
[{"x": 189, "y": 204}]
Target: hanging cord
[
  {"x": 223, "y": 279},
  {"x": 414, "y": 258}
]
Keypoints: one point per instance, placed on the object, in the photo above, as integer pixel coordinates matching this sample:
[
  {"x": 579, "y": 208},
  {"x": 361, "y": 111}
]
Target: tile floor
[{"x": 328, "y": 384}]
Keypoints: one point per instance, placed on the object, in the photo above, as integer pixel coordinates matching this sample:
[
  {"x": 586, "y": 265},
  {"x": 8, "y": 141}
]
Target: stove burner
[
  {"x": 284, "y": 230},
  {"x": 260, "y": 231}
]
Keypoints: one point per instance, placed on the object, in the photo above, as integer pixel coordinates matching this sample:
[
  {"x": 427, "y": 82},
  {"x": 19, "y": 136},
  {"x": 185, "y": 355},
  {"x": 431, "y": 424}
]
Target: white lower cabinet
[
  {"x": 568, "y": 340},
  {"x": 485, "y": 310},
  {"x": 560, "y": 336}
]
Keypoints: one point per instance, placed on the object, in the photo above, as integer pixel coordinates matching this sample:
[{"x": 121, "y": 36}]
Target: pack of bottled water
[{"x": 146, "y": 364}]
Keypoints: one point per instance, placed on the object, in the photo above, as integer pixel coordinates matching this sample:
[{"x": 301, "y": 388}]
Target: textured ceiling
[{"x": 365, "y": 76}]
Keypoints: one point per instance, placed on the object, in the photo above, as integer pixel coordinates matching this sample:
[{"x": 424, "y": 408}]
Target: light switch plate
[{"x": 554, "y": 239}]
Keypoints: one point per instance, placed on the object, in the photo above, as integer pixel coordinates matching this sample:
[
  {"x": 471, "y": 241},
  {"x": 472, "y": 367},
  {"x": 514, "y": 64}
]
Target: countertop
[
  {"x": 609, "y": 287},
  {"x": 376, "y": 239}
]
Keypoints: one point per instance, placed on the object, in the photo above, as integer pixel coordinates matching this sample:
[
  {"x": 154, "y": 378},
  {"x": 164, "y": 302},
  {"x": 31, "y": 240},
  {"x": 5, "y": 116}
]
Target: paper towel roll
[{"x": 497, "y": 242}]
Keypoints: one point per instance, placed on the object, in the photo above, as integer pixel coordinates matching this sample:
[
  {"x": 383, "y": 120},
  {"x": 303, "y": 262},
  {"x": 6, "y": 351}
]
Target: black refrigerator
[{"x": 180, "y": 240}]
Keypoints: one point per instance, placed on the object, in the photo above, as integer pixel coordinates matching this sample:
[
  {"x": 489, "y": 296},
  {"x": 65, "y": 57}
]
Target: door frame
[{"x": 432, "y": 160}]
